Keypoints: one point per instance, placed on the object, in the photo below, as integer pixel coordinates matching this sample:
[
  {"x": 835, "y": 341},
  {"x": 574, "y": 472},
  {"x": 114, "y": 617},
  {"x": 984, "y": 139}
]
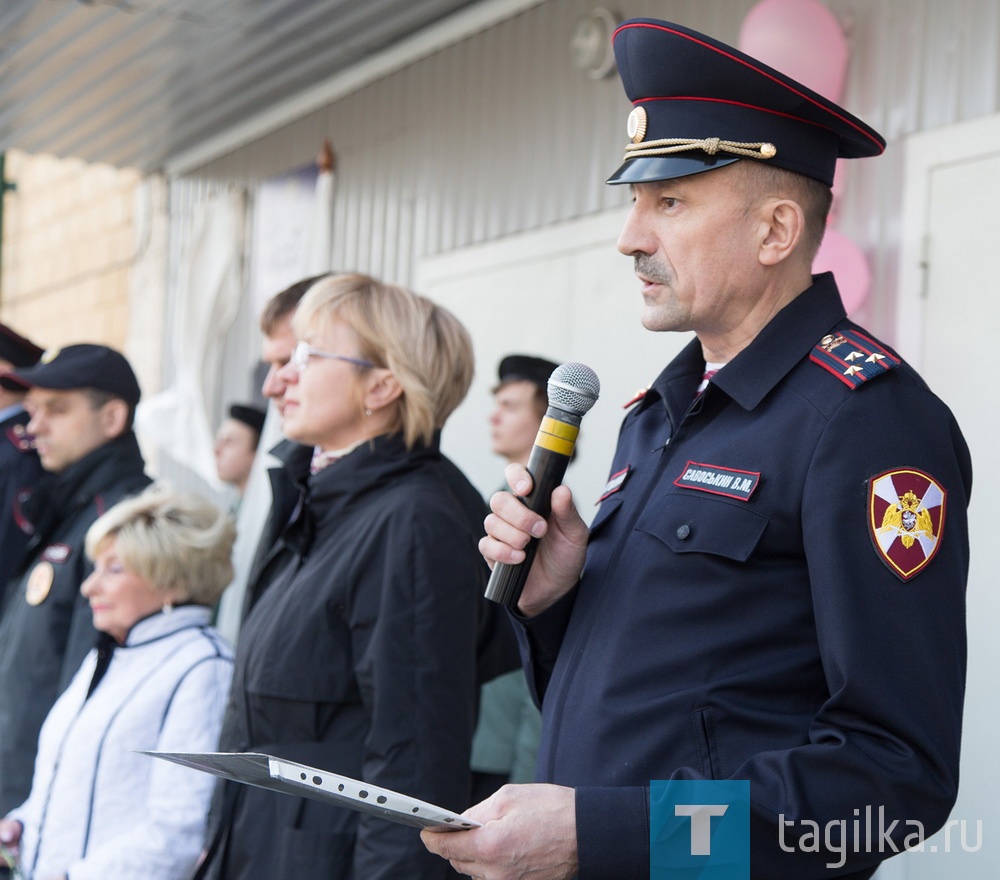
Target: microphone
[{"x": 572, "y": 390}]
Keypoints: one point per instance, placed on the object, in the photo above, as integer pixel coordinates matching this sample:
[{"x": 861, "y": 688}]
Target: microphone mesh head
[{"x": 573, "y": 388}]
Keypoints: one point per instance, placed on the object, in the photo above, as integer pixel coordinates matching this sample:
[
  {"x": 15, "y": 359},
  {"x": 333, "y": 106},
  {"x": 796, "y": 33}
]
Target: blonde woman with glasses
[{"x": 360, "y": 658}]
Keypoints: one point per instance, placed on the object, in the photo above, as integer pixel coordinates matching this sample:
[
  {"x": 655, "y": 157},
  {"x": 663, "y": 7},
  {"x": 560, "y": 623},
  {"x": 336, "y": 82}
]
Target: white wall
[{"x": 947, "y": 326}]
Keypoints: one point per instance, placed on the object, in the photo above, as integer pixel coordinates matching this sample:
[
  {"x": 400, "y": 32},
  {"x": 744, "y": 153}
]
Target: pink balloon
[
  {"x": 840, "y": 255},
  {"x": 802, "y": 39}
]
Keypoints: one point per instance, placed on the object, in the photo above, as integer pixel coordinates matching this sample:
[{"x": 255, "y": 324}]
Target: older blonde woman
[
  {"x": 361, "y": 658},
  {"x": 157, "y": 680}
]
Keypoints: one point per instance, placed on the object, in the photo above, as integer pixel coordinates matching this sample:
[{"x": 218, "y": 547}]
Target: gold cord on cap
[{"x": 711, "y": 146}]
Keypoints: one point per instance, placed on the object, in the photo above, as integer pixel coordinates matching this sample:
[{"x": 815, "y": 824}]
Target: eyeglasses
[{"x": 303, "y": 351}]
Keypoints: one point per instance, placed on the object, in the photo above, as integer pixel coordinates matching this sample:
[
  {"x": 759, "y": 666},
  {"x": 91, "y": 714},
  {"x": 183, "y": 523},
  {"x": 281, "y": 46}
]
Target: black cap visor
[{"x": 648, "y": 169}]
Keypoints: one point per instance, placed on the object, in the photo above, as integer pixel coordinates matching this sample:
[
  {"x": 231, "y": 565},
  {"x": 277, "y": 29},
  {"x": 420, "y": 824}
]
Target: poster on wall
[{"x": 292, "y": 231}]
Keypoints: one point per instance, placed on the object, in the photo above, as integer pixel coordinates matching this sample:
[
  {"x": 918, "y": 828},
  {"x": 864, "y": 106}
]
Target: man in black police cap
[
  {"x": 236, "y": 445},
  {"x": 82, "y": 400},
  {"x": 520, "y": 400},
  {"x": 505, "y": 744},
  {"x": 19, "y": 465},
  {"x": 770, "y": 590}
]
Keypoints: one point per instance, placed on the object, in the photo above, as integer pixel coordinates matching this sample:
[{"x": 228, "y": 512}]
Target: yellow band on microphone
[{"x": 557, "y": 436}]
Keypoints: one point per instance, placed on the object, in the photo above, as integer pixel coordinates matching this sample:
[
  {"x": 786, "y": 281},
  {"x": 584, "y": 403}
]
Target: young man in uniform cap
[
  {"x": 505, "y": 745},
  {"x": 236, "y": 445},
  {"x": 771, "y": 590},
  {"x": 19, "y": 464},
  {"x": 81, "y": 399},
  {"x": 520, "y": 401}
]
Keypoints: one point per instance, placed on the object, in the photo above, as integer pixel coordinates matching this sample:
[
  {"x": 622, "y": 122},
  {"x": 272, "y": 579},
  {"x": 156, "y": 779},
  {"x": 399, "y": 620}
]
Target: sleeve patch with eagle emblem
[{"x": 906, "y": 519}]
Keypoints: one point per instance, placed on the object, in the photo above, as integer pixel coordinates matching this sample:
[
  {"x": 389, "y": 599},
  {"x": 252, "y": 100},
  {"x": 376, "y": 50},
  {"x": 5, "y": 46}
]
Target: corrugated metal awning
[{"x": 136, "y": 82}]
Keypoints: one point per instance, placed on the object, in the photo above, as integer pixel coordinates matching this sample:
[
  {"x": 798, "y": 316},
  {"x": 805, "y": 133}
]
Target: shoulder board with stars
[{"x": 853, "y": 357}]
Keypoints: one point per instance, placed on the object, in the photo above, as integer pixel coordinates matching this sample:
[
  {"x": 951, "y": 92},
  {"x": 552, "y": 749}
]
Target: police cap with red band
[{"x": 699, "y": 104}]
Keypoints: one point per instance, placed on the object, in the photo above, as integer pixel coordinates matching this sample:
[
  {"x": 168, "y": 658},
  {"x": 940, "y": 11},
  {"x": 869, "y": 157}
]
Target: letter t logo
[
  {"x": 699, "y": 828},
  {"x": 701, "y": 824}
]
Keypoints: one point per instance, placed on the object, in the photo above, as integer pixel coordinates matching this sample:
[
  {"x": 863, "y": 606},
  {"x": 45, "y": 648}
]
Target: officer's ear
[
  {"x": 782, "y": 229},
  {"x": 114, "y": 418}
]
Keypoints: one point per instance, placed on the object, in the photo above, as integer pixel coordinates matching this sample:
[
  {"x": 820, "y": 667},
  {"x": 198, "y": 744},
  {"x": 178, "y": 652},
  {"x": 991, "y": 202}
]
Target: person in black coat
[
  {"x": 360, "y": 656},
  {"x": 496, "y": 651},
  {"x": 19, "y": 464}
]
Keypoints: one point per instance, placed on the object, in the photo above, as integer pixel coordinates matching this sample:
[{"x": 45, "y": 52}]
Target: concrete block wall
[{"x": 69, "y": 248}]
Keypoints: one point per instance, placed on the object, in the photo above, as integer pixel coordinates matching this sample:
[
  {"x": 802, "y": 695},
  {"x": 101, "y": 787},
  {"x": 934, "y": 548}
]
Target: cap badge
[
  {"x": 906, "y": 519},
  {"x": 636, "y": 125},
  {"x": 49, "y": 355},
  {"x": 832, "y": 341}
]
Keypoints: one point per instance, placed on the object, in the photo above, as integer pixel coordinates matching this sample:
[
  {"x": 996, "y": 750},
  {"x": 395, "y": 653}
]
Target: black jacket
[
  {"x": 46, "y": 627},
  {"x": 496, "y": 648},
  {"x": 20, "y": 469},
  {"x": 359, "y": 659},
  {"x": 288, "y": 490}
]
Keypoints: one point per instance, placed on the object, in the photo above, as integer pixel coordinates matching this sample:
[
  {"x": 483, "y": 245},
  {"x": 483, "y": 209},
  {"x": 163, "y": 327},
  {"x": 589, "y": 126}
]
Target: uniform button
[{"x": 683, "y": 531}]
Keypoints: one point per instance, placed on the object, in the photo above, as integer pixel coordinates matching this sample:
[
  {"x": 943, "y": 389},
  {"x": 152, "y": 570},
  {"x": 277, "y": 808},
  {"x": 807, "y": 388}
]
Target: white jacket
[{"x": 99, "y": 811}]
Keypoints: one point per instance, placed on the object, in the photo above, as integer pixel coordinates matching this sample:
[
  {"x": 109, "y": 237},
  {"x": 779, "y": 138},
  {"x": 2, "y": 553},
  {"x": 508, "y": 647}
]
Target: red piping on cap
[{"x": 738, "y": 104}]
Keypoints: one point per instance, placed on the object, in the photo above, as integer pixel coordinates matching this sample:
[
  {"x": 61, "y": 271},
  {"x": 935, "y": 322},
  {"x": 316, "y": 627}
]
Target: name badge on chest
[{"x": 731, "y": 482}]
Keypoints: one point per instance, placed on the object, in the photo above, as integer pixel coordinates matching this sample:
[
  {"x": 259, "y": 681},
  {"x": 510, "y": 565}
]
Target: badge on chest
[{"x": 731, "y": 482}]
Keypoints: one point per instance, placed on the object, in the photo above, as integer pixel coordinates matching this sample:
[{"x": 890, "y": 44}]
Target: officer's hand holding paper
[{"x": 524, "y": 831}]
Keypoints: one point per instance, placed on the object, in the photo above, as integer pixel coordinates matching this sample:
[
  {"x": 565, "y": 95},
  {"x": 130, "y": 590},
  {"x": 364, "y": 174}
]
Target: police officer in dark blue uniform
[
  {"x": 19, "y": 465},
  {"x": 773, "y": 587}
]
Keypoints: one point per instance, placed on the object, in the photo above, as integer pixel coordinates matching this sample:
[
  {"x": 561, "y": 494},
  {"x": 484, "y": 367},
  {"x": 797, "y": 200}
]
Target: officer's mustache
[{"x": 651, "y": 270}]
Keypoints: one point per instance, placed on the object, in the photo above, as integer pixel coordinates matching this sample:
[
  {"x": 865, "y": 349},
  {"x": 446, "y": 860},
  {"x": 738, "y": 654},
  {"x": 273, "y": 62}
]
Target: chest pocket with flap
[{"x": 696, "y": 522}]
